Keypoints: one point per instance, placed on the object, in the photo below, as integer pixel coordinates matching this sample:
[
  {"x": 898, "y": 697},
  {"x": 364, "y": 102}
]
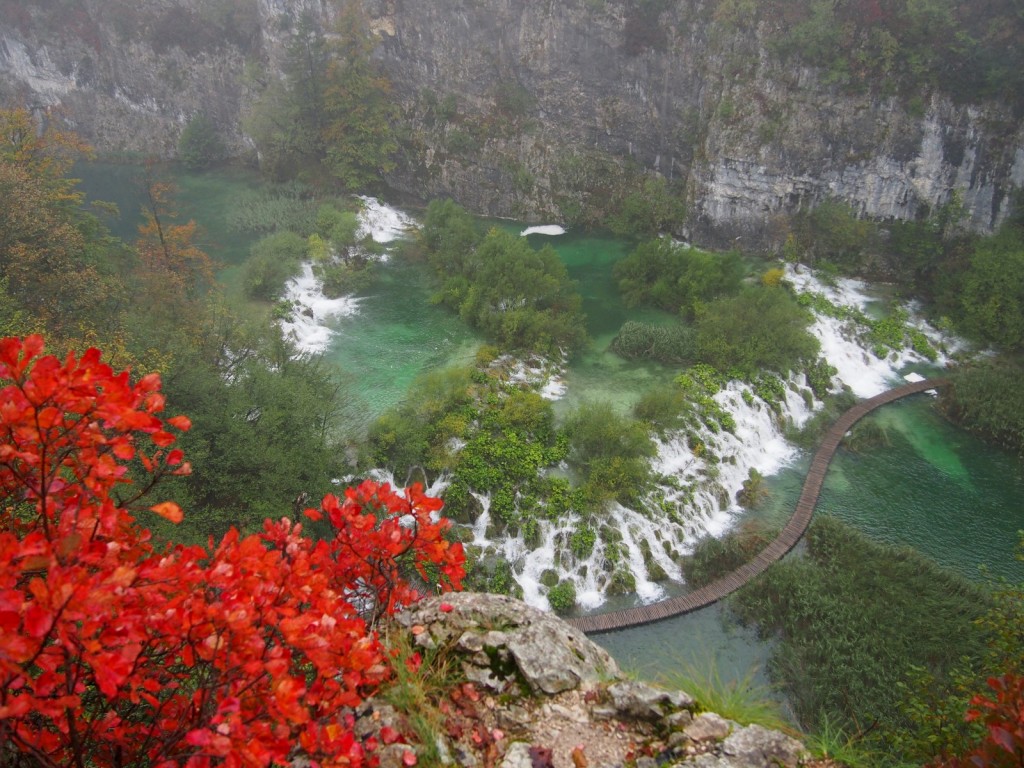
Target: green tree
[
  {"x": 265, "y": 435},
  {"x": 522, "y": 297},
  {"x": 273, "y": 260},
  {"x": 288, "y": 120},
  {"x": 992, "y": 293},
  {"x": 57, "y": 261},
  {"x": 761, "y": 327},
  {"x": 358, "y": 109},
  {"x": 200, "y": 145},
  {"x": 832, "y": 232},
  {"x": 450, "y": 236},
  {"x": 650, "y": 209},
  {"x": 675, "y": 277}
]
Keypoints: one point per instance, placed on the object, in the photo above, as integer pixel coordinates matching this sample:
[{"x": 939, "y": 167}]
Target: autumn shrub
[{"x": 115, "y": 652}]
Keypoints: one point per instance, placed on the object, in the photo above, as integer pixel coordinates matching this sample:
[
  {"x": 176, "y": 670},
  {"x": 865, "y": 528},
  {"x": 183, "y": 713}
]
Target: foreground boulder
[{"x": 523, "y": 689}]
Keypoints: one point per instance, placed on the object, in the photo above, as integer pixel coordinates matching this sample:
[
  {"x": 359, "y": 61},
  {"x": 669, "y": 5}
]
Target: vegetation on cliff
[
  {"x": 906, "y": 45},
  {"x": 329, "y": 119}
]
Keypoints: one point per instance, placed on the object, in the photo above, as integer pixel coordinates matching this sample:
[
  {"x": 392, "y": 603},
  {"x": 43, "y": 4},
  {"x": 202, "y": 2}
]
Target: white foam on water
[
  {"x": 308, "y": 326},
  {"x": 858, "y": 367},
  {"x": 382, "y": 222},
  {"x": 313, "y": 313},
  {"x": 546, "y": 229},
  {"x": 537, "y": 372},
  {"x": 704, "y": 492}
]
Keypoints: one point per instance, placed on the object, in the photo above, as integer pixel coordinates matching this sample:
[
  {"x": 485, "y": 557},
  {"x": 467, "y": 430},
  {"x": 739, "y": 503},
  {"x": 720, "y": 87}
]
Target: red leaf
[
  {"x": 38, "y": 620},
  {"x": 169, "y": 511},
  {"x": 180, "y": 422},
  {"x": 1002, "y": 738}
]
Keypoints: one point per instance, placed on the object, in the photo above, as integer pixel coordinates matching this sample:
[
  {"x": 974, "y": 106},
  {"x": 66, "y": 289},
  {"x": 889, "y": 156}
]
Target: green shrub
[
  {"x": 649, "y": 210},
  {"x": 610, "y": 452},
  {"x": 521, "y": 298},
  {"x": 741, "y": 699},
  {"x": 676, "y": 278},
  {"x": 852, "y": 618},
  {"x": 275, "y": 258},
  {"x": 713, "y": 557},
  {"x": 274, "y": 208},
  {"x": 664, "y": 408},
  {"x": 200, "y": 145},
  {"x": 582, "y": 541},
  {"x": 761, "y": 328},
  {"x": 562, "y": 596},
  {"x": 987, "y": 399},
  {"x": 663, "y": 343}
]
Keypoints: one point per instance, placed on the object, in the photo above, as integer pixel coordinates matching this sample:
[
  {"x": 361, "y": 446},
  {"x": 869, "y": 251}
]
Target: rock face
[
  {"x": 526, "y": 107},
  {"x": 540, "y": 693}
]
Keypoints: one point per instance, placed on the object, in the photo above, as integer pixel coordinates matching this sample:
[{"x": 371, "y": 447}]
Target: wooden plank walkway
[{"x": 786, "y": 540}]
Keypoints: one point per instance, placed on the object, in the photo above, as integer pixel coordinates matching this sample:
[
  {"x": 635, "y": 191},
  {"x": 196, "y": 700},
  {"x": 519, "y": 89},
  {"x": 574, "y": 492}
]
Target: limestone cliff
[{"x": 526, "y": 107}]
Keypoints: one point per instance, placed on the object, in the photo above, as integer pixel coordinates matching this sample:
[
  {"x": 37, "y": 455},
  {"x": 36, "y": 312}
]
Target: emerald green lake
[{"x": 935, "y": 488}]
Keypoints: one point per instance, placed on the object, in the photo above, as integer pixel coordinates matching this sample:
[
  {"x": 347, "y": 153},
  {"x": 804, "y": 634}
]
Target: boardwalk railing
[{"x": 786, "y": 540}]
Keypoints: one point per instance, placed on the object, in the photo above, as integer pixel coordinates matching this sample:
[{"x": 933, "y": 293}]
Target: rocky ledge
[{"x": 523, "y": 689}]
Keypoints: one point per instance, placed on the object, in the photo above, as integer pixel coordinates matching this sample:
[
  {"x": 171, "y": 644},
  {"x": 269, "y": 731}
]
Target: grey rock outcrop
[
  {"x": 504, "y": 639},
  {"x": 560, "y": 693}
]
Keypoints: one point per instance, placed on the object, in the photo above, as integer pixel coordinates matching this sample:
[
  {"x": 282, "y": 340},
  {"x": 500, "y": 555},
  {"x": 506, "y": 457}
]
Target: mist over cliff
[{"x": 543, "y": 110}]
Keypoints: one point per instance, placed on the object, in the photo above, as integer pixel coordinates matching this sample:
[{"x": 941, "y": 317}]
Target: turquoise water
[
  {"x": 937, "y": 489},
  {"x": 396, "y": 335},
  {"x": 596, "y": 373}
]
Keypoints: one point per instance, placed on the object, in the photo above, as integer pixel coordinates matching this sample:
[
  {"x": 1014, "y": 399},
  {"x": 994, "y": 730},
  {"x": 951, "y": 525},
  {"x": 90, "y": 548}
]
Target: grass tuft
[{"x": 741, "y": 700}]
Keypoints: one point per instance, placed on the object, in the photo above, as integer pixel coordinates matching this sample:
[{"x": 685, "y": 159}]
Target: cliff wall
[{"x": 538, "y": 109}]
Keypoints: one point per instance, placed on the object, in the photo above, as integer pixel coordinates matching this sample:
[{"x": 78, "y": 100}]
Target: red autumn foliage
[
  {"x": 116, "y": 652},
  {"x": 1003, "y": 718}
]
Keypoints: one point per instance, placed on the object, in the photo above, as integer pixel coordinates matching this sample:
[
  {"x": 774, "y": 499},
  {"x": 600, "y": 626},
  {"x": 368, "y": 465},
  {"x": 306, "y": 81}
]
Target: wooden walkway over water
[{"x": 787, "y": 539}]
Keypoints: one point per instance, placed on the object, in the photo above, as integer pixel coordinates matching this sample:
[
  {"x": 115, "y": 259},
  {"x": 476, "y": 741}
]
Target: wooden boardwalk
[{"x": 787, "y": 539}]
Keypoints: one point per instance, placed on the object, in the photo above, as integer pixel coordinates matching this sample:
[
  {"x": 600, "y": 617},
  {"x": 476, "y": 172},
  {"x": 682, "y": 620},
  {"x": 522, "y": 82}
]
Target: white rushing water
[
  {"x": 859, "y": 368},
  {"x": 308, "y": 325},
  {"x": 382, "y": 222},
  {"x": 545, "y": 229},
  {"x": 311, "y": 321}
]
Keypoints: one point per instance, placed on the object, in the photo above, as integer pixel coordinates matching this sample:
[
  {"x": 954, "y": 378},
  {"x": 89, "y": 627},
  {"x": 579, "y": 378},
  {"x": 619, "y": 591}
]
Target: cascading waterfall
[
  {"x": 697, "y": 490},
  {"x": 309, "y": 324},
  {"x": 703, "y": 490}
]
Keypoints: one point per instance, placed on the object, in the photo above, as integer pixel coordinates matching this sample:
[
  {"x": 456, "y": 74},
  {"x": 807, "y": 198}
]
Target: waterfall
[{"x": 313, "y": 316}]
